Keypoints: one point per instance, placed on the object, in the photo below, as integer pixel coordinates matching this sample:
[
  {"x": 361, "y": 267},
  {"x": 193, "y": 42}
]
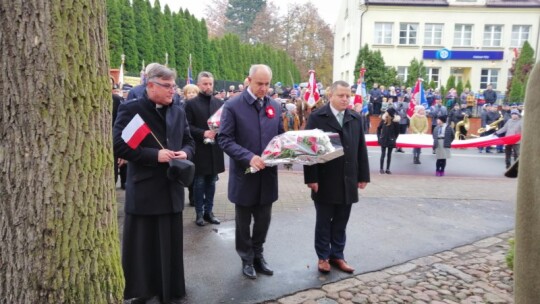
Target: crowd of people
[{"x": 252, "y": 114}]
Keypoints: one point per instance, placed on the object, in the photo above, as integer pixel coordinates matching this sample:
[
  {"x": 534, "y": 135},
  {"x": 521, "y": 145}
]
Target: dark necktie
[{"x": 258, "y": 104}]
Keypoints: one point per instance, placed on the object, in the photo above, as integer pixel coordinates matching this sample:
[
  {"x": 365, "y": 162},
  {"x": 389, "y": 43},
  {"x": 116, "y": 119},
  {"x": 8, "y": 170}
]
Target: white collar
[{"x": 334, "y": 111}]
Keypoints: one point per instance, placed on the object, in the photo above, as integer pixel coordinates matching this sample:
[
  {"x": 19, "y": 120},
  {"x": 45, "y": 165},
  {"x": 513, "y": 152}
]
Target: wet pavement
[{"x": 411, "y": 238}]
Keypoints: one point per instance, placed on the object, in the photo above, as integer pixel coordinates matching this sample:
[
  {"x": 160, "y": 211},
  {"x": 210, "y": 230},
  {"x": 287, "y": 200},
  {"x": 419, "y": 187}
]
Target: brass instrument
[
  {"x": 465, "y": 123},
  {"x": 493, "y": 125}
]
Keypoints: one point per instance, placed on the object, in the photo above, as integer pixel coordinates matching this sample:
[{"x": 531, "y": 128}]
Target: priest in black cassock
[{"x": 152, "y": 245}]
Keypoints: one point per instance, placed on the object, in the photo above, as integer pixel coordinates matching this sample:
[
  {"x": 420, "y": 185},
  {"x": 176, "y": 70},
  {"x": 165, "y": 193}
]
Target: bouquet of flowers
[
  {"x": 213, "y": 124},
  {"x": 306, "y": 147}
]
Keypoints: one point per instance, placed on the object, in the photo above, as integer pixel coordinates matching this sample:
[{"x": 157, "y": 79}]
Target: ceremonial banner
[
  {"x": 426, "y": 141},
  {"x": 312, "y": 92}
]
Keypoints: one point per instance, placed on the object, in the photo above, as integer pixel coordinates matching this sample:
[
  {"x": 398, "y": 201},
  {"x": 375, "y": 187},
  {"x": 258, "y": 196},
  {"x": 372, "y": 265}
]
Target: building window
[
  {"x": 433, "y": 34},
  {"x": 383, "y": 33},
  {"x": 463, "y": 35},
  {"x": 433, "y": 75},
  {"x": 489, "y": 76},
  {"x": 348, "y": 43},
  {"x": 492, "y": 35},
  {"x": 520, "y": 34},
  {"x": 407, "y": 33},
  {"x": 402, "y": 73},
  {"x": 343, "y": 49}
]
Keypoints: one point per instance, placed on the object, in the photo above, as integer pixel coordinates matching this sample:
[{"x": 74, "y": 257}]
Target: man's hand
[
  {"x": 209, "y": 134},
  {"x": 257, "y": 163},
  {"x": 313, "y": 186},
  {"x": 165, "y": 155},
  {"x": 362, "y": 185},
  {"x": 121, "y": 162}
]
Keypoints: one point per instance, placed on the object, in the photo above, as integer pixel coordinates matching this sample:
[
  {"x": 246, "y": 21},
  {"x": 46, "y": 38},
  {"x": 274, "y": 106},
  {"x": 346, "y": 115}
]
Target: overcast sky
[{"x": 328, "y": 9}]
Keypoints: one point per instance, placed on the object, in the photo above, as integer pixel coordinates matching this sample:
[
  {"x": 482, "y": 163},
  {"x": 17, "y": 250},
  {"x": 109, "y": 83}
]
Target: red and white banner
[
  {"x": 312, "y": 92},
  {"x": 426, "y": 141},
  {"x": 135, "y": 131}
]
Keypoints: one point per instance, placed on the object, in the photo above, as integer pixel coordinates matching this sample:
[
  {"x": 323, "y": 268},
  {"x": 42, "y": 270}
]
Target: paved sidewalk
[{"x": 447, "y": 235}]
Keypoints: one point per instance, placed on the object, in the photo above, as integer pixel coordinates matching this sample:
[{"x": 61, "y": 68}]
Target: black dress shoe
[
  {"x": 249, "y": 271},
  {"x": 199, "y": 220},
  {"x": 209, "y": 217},
  {"x": 262, "y": 267}
]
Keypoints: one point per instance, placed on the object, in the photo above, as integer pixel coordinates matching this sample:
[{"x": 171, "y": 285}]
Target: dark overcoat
[
  {"x": 209, "y": 157},
  {"x": 338, "y": 179},
  {"x": 148, "y": 190},
  {"x": 388, "y": 134},
  {"x": 244, "y": 133}
]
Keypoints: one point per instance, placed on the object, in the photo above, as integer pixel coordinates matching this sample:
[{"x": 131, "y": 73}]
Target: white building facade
[{"x": 474, "y": 40}]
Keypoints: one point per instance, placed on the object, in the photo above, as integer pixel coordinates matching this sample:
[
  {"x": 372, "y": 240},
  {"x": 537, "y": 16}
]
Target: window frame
[
  {"x": 518, "y": 41},
  {"x": 410, "y": 31},
  {"x": 462, "y": 34},
  {"x": 432, "y": 33},
  {"x": 489, "y": 29},
  {"x": 489, "y": 78},
  {"x": 382, "y": 38}
]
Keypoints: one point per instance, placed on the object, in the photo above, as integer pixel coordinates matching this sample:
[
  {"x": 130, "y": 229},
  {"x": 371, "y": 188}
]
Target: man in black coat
[
  {"x": 490, "y": 96},
  {"x": 334, "y": 185},
  {"x": 152, "y": 245},
  {"x": 209, "y": 157}
]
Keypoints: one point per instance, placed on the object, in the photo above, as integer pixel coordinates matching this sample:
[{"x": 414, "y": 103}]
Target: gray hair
[
  {"x": 149, "y": 67},
  {"x": 340, "y": 83},
  {"x": 204, "y": 74},
  {"x": 254, "y": 68},
  {"x": 161, "y": 71}
]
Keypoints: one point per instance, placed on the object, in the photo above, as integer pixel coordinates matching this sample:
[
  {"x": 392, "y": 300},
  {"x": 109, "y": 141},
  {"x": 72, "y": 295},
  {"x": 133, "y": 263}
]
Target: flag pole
[{"x": 159, "y": 143}]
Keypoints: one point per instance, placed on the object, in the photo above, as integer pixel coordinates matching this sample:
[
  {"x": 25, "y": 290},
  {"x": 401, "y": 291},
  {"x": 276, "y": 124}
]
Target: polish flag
[
  {"x": 358, "y": 95},
  {"x": 312, "y": 92},
  {"x": 134, "y": 133}
]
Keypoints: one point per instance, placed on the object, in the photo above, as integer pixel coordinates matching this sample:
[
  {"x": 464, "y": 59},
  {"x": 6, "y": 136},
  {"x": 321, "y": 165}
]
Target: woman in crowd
[
  {"x": 419, "y": 125},
  {"x": 190, "y": 91},
  {"x": 442, "y": 139},
  {"x": 387, "y": 134}
]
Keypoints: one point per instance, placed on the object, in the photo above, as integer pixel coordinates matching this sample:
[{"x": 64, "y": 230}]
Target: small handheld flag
[{"x": 135, "y": 131}]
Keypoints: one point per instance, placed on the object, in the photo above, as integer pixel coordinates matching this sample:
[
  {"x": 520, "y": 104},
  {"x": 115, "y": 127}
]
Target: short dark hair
[
  {"x": 204, "y": 74},
  {"x": 340, "y": 83}
]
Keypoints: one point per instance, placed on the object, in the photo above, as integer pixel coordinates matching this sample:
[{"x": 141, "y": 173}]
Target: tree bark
[{"x": 58, "y": 228}]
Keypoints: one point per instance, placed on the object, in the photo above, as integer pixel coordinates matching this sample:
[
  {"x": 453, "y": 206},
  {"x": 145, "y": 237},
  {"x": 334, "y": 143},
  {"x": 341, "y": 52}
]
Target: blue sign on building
[{"x": 445, "y": 54}]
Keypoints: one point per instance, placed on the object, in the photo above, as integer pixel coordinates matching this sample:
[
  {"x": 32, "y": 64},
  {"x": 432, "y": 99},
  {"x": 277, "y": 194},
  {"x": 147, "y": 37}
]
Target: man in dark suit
[
  {"x": 208, "y": 160},
  {"x": 334, "y": 185},
  {"x": 152, "y": 245},
  {"x": 248, "y": 122}
]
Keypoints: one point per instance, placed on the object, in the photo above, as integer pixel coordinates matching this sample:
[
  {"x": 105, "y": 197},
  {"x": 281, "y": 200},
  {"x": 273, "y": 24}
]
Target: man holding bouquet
[
  {"x": 208, "y": 158},
  {"x": 248, "y": 122},
  {"x": 334, "y": 185}
]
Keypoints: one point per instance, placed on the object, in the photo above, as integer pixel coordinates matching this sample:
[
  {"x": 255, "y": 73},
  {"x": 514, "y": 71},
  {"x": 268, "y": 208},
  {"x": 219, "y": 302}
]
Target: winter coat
[{"x": 388, "y": 134}]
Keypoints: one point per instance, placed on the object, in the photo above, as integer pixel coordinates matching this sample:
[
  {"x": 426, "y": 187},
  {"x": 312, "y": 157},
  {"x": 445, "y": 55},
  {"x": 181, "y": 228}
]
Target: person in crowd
[
  {"x": 456, "y": 115},
  {"x": 470, "y": 101},
  {"x": 120, "y": 167},
  {"x": 463, "y": 96},
  {"x": 138, "y": 91},
  {"x": 375, "y": 97},
  {"x": 512, "y": 127},
  {"x": 334, "y": 185},
  {"x": 436, "y": 96},
  {"x": 401, "y": 110},
  {"x": 208, "y": 160},
  {"x": 492, "y": 116},
  {"x": 419, "y": 125},
  {"x": 490, "y": 96},
  {"x": 384, "y": 104},
  {"x": 248, "y": 123},
  {"x": 190, "y": 91},
  {"x": 152, "y": 243},
  {"x": 291, "y": 121},
  {"x": 435, "y": 111},
  {"x": 451, "y": 99},
  {"x": 392, "y": 94},
  {"x": 387, "y": 134},
  {"x": 442, "y": 141},
  {"x": 302, "y": 108}
]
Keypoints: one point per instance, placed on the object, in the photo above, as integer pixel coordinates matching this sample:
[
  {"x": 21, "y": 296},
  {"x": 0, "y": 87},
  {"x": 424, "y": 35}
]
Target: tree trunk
[{"x": 58, "y": 227}]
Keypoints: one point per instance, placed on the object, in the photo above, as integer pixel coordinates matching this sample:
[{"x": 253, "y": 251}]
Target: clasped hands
[
  {"x": 165, "y": 155},
  {"x": 315, "y": 186}
]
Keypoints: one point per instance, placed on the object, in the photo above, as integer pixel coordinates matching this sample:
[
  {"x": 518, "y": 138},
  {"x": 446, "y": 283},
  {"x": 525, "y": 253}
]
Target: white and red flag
[
  {"x": 312, "y": 92},
  {"x": 135, "y": 131}
]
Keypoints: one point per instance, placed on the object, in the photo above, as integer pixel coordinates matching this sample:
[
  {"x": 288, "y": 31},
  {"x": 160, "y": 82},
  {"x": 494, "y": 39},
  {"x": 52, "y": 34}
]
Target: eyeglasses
[{"x": 167, "y": 86}]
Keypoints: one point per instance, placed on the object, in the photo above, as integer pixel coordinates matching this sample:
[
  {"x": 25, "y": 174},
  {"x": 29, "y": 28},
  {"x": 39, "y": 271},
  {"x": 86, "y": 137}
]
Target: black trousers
[
  {"x": 249, "y": 245},
  {"x": 330, "y": 227}
]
